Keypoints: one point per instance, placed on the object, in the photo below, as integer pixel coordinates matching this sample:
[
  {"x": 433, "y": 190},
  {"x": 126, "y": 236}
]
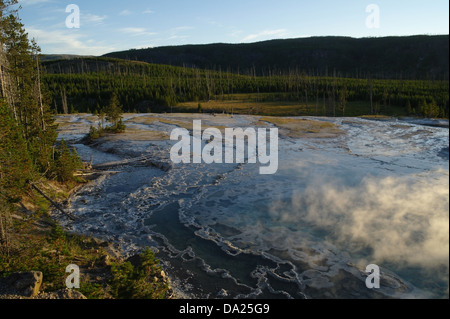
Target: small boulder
[
  {"x": 26, "y": 284},
  {"x": 64, "y": 294}
]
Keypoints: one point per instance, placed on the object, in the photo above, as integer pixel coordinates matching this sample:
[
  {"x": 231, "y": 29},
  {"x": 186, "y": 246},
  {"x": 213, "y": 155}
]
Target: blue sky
[{"x": 107, "y": 26}]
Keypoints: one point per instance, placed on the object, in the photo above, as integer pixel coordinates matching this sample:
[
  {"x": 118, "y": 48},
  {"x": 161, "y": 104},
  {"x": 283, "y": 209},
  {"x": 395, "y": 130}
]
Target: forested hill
[
  {"x": 412, "y": 57},
  {"x": 87, "y": 84}
]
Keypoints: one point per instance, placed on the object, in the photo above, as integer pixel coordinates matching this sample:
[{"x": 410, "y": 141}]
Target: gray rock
[
  {"x": 63, "y": 294},
  {"x": 26, "y": 284}
]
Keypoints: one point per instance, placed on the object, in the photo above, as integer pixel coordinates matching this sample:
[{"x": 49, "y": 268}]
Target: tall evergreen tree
[
  {"x": 114, "y": 111},
  {"x": 15, "y": 167},
  {"x": 27, "y": 130},
  {"x": 21, "y": 80},
  {"x": 5, "y": 80}
]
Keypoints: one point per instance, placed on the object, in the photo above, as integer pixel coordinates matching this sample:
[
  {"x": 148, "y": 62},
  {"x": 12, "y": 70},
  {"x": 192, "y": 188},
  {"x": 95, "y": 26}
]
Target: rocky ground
[
  {"x": 33, "y": 284},
  {"x": 377, "y": 176},
  {"x": 369, "y": 180}
]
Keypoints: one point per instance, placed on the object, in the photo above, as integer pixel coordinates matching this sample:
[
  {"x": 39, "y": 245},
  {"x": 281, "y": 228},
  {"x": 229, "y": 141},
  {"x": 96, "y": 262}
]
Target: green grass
[
  {"x": 255, "y": 104},
  {"x": 38, "y": 243}
]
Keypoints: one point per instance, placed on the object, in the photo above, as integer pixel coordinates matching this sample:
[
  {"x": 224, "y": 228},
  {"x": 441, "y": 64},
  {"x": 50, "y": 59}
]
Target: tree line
[
  {"x": 31, "y": 156},
  {"x": 399, "y": 57},
  {"x": 87, "y": 84},
  {"x": 28, "y": 145}
]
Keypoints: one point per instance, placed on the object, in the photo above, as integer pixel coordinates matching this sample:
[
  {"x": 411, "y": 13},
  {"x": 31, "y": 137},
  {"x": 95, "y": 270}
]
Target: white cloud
[
  {"x": 132, "y": 30},
  {"x": 67, "y": 41},
  {"x": 32, "y": 2},
  {"x": 137, "y": 31},
  {"x": 148, "y": 11},
  {"x": 177, "y": 33},
  {"x": 125, "y": 13},
  {"x": 92, "y": 18},
  {"x": 236, "y": 33},
  {"x": 266, "y": 33},
  {"x": 178, "y": 37},
  {"x": 182, "y": 28}
]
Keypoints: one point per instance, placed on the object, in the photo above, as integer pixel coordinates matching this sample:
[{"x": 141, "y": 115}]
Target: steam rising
[{"x": 397, "y": 219}]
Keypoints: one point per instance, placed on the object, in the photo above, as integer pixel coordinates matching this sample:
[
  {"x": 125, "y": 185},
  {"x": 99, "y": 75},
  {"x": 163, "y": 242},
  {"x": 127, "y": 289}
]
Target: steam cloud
[{"x": 400, "y": 219}]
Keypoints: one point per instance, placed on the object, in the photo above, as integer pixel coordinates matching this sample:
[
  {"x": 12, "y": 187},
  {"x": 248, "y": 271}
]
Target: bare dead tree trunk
[
  {"x": 39, "y": 93},
  {"x": 4, "y": 238},
  {"x": 371, "y": 95},
  {"x": 334, "y": 92},
  {"x": 56, "y": 205},
  {"x": 208, "y": 84},
  {"x": 64, "y": 101},
  {"x": 2, "y": 81},
  {"x": 6, "y": 89}
]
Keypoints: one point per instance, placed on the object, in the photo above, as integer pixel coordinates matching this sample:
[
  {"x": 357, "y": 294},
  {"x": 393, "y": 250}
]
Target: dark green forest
[
  {"x": 328, "y": 76},
  {"x": 86, "y": 85},
  {"x": 417, "y": 57},
  {"x": 33, "y": 160},
  {"x": 28, "y": 139}
]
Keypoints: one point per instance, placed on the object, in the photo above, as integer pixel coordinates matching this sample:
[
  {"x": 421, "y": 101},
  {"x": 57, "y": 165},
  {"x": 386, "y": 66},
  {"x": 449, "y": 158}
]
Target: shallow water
[{"x": 376, "y": 195}]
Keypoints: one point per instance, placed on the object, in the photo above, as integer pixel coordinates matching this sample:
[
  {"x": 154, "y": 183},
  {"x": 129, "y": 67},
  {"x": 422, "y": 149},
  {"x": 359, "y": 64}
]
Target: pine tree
[
  {"x": 15, "y": 167},
  {"x": 22, "y": 83},
  {"x": 66, "y": 162},
  {"x": 27, "y": 129},
  {"x": 5, "y": 79},
  {"x": 114, "y": 112}
]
